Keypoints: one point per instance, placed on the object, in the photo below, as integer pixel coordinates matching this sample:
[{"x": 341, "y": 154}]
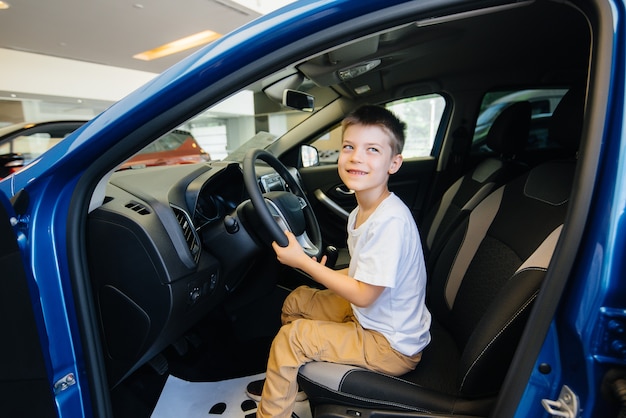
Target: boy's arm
[{"x": 356, "y": 292}]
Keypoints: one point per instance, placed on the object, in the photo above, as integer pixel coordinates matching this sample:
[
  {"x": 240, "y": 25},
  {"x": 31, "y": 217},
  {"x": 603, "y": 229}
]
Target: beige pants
[{"x": 319, "y": 325}]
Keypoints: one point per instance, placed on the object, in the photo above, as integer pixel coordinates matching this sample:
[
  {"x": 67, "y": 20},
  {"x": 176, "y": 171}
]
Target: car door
[
  {"x": 332, "y": 201},
  {"x": 24, "y": 386}
]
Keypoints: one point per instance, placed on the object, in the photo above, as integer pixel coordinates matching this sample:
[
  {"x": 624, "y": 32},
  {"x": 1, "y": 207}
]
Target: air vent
[
  {"x": 138, "y": 207},
  {"x": 189, "y": 232}
]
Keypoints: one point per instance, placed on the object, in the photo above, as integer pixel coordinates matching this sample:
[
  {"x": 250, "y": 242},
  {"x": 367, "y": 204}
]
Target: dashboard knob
[
  {"x": 194, "y": 295},
  {"x": 231, "y": 224}
]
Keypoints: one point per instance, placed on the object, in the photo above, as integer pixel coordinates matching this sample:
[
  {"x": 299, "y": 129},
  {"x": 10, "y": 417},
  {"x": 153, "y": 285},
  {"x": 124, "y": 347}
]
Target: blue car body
[{"x": 586, "y": 328}]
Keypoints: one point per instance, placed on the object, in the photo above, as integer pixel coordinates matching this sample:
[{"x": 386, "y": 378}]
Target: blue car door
[{"x": 25, "y": 390}]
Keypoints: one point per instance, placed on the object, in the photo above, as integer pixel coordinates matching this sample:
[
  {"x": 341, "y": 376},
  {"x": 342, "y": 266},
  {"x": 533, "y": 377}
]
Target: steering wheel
[{"x": 280, "y": 210}]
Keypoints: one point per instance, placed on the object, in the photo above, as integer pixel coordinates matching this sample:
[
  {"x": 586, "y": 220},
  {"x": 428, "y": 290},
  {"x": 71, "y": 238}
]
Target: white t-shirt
[{"x": 386, "y": 250}]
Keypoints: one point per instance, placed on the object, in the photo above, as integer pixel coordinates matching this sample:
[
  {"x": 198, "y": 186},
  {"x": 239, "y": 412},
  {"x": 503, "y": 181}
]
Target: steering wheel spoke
[
  {"x": 281, "y": 210},
  {"x": 307, "y": 245},
  {"x": 278, "y": 216}
]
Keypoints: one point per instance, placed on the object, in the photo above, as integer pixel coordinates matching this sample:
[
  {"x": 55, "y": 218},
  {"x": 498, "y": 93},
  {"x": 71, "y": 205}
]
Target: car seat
[
  {"x": 481, "y": 290},
  {"x": 507, "y": 137}
]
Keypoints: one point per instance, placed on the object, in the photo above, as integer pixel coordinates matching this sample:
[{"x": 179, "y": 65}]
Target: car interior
[{"x": 180, "y": 267}]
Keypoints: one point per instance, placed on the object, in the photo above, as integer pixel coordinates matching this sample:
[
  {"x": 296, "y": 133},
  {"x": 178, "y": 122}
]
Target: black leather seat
[
  {"x": 507, "y": 138},
  {"x": 481, "y": 291}
]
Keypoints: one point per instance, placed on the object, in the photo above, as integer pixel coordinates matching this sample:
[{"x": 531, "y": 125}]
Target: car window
[
  {"x": 422, "y": 116},
  {"x": 167, "y": 142},
  {"x": 254, "y": 120},
  {"x": 543, "y": 102},
  {"x": 30, "y": 146},
  {"x": 244, "y": 120}
]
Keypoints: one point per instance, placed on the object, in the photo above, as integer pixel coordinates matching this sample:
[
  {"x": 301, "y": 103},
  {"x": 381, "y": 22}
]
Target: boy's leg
[
  {"x": 309, "y": 303},
  {"x": 302, "y": 341}
]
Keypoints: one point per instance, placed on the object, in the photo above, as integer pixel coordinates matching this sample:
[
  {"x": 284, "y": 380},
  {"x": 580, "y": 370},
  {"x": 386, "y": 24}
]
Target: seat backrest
[
  {"x": 507, "y": 137},
  {"x": 491, "y": 267}
]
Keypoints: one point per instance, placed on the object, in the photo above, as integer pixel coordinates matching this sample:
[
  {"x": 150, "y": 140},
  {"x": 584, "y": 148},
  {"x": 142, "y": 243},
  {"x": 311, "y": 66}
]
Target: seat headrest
[
  {"x": 508, "y": 134},
  {"x": 566, "y": 123}
]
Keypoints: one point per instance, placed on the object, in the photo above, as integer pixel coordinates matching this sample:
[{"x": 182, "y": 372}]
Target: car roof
[{"x": 537, "y": 43}]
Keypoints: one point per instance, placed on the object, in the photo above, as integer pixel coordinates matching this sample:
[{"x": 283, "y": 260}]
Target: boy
[{"x": 371, "y": 314}]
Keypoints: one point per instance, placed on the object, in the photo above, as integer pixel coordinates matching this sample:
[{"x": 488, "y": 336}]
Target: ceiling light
[
  {"x": 179, "y": 45},
  {"x": 4, "y": 5},
  {"x": 362, "y": 89},
  {"x": 357, "y": 70}
]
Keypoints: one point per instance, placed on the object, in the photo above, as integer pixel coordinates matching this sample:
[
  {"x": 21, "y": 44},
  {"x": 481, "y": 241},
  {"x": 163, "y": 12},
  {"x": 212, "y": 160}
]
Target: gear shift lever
[{"x": 331, "y": 254}]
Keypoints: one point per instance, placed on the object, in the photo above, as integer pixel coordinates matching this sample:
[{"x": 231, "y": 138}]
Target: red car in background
[
  {"x": 176, "y": 147},
  {"x": 22, "y": 143}
]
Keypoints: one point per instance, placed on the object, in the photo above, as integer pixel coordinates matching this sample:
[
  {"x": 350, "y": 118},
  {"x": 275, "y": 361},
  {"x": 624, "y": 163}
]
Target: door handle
[
  {"x": 330, "y": 204},
  {"x": 344, "y": 191}
]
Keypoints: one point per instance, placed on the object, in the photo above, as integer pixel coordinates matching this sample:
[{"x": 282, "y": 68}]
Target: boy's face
[{"x": 366, "y": 158}]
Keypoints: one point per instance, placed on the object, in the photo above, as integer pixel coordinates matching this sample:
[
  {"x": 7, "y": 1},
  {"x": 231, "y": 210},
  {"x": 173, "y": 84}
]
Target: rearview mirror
[{"x": 298, "y": 100}]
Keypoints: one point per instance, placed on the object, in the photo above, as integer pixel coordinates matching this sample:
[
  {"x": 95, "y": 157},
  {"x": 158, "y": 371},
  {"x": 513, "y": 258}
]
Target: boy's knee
[
  {"x": 301, "y": 338},
  {"x": 299, "y": 293},
  {"x": 287, "y": 336},
  {"x": 294, "y": 301}
]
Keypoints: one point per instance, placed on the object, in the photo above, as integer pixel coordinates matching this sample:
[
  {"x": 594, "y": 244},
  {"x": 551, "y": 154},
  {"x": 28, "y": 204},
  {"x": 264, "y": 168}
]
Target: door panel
[
  {"x": 322, "y": 185},
  {"x": 332, "y": 201},
  {"x": 24, "y": 386}
]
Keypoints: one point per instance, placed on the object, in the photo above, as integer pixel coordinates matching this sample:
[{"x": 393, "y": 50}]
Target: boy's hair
[{"x": 379, "y": 116}]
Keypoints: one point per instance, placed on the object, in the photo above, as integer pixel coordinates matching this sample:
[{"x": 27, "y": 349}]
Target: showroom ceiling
[{"x": 110, "y": 32}]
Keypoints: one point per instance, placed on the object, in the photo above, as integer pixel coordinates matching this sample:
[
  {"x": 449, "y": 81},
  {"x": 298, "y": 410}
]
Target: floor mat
[{"x": 226, "y": 398}]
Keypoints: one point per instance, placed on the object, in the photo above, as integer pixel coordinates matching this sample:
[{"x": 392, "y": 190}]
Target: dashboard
[{"x": 167, "y": 245}]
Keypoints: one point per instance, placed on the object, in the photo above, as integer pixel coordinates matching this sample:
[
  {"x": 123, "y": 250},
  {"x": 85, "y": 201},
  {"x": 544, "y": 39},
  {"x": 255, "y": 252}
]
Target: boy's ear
[{"x": 396, "y": 162}]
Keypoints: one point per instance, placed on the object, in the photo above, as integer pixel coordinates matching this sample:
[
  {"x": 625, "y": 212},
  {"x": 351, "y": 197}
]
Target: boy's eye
[
  {"x": 346, "y": 146},
  {"x": 373, "y": 149}
]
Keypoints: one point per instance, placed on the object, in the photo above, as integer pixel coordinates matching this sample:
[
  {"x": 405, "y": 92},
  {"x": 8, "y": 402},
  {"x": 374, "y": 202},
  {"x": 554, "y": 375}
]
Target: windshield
[{"x": 251, "y": 118}]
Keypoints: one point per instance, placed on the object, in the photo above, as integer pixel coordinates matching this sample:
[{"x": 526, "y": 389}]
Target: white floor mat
[{"x": 226, "y": 399}]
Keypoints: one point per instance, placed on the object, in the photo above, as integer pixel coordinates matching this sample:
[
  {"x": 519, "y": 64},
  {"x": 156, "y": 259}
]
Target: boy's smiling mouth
[{"x": 357, "y": 172}]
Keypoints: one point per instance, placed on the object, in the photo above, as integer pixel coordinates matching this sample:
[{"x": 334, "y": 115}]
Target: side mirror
[
  {"x": 298, "y": 100},
  {"x": 309, "y": 157}
]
